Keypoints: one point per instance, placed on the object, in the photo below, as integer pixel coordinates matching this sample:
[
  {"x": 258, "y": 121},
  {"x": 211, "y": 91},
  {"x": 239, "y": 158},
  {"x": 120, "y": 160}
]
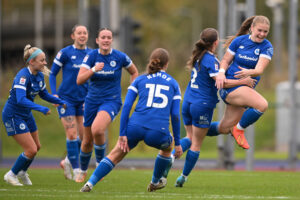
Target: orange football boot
[{"x": 240, "y": 138}]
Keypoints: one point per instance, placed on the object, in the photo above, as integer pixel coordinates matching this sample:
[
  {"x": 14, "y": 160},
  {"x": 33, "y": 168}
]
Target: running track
[{"x": 259, "y": 165}]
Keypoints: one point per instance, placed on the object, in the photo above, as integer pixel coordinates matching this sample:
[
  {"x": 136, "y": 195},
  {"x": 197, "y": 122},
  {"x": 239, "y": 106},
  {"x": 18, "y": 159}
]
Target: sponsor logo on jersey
[
  {"x": 22, "y": 126},
  {"x": 62, "y": 111},
  {"x": 41, "y": 84},
  {"x": 241, "y": 47},
  {"x": 105, "y": 72},
  {"x": 23, "y": 80},
  {"x": 256, "y": 51},
  {"x": 73, "y": 57},
  {"x": 85, "y": 58},
  {"x": 76, "y": 66},
  {"x": 58, "y": 55},
  {"x": 247, "y": 58},
  {"x": 113, "y": 63}
]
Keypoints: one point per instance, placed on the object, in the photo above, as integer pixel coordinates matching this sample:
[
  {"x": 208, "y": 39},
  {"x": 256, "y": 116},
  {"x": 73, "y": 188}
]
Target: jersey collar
[
  {"x": 111, "y": 50},
  {"x": 29, "y": 70},
  {"x": 73, "y": 45}
]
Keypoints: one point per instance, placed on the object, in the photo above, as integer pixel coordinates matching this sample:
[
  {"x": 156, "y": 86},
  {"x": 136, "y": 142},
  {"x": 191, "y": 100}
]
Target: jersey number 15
[{"x": 155, "y": 91}]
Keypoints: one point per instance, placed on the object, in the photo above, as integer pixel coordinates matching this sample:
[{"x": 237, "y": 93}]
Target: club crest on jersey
[
  {"x": 58, "y": 55},
  {"x": 23, "y": 80},
  {"x": 128, "y": 59},
  {"x": 270, "y": 51},
  {"x": 62, "y": 111},
  {"x": 22, "y": 126},
  {"x": 85, "y": 58},
  {"x": 113, "y": 63},
  {"x": 256, "y": 51},
  {"x": 41, "y": 84},
  {"x": 216, "y": 66}
]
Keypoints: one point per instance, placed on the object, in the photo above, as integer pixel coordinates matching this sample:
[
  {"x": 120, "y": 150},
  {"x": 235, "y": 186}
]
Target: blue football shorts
[
  {"x": 91, "y": 110},
  {"x": 197, "y": 115},
  {"x": 15, "y": 124},
  {"x": 73, "y": 109},
  {"x": 153, "y": 138}
]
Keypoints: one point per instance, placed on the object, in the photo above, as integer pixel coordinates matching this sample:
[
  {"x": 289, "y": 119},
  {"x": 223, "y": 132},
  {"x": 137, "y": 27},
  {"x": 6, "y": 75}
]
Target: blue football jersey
[
  {"x": 106, "y": 84},
  {"x": 69, "y": 59},
  {"x": 201, "y": 89},
  {"x": 32, "y": 84},
  {"x": 156, "y": 93},
  {"x": 246, "y": 54}
]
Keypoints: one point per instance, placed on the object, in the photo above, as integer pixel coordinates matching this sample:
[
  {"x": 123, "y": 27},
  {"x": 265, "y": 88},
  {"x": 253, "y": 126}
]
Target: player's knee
[
  {"x": 38, "y": 147},
  {"x": 72, "y": 135},
  {"x": 263, "y": 106},
  {"x": 223, "y": 129},
  {"x": 30, "y": 153},
  {"x": 87, "y": 144},
  {"x": 97, "y": 131}
]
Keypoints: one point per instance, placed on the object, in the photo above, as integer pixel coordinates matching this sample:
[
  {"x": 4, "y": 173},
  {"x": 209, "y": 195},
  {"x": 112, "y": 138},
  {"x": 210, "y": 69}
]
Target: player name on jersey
[{"x": 164, "y": 76}]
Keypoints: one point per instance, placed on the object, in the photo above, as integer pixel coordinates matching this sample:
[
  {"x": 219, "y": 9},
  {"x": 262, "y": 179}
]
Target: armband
[{"x": 222, "y": 70}]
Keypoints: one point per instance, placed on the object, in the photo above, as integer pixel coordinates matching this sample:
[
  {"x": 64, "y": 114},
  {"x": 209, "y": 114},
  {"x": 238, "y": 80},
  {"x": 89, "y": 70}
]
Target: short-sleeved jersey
[
  {"x": 70, "y": 59},
  {"x": 201, "y": 89},
  {"x": 25, "y": 80},
  {"x": 246, "y": 54},
  {"x": 156, "y": 93},
  {"x": 106, "y": 84}
]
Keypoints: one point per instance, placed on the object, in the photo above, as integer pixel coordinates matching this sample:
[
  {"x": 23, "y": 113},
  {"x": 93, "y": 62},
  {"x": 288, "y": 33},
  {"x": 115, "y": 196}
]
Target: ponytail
[{"x": 207, "y": 38}]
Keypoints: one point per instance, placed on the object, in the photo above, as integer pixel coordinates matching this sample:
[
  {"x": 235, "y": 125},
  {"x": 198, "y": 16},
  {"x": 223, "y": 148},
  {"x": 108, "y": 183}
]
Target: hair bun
[{"x": 28, "y": 46}]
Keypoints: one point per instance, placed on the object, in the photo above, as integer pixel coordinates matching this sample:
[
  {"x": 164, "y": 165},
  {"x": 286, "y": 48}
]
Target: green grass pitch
[{"x": 132, "y": 184}]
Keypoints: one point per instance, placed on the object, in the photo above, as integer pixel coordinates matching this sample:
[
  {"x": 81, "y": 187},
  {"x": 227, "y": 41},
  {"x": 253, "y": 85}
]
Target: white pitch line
[{"x": 128, "y": 195}]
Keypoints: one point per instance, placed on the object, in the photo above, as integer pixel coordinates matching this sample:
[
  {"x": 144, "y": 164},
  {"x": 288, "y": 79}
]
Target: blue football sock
[
  {"x": 190, "y": 161},
  {"x": 84, "y": 159},
  {"x": 213, "y": 129},
  {"x": 104, "y": 167},
  {"x": 185, "y": 144},
  {"x": 79, "y": 144},
  {"x": 161, "y": 164},
  {"x": 20, "y": 163},
  {"x": 73, "y": 154},
  {"x": 99, "y": 152},
  {"x": 28, "y": 163},
  {"x": 250, "y": 116}
]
